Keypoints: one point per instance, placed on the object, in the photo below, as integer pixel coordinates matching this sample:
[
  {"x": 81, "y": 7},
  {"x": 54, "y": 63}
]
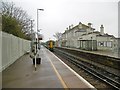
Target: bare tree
[
  {"x": 58, "y": 35},
  {"x": 9, "y": 9}
]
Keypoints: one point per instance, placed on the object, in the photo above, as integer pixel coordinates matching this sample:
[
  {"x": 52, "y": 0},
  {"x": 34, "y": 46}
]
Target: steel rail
[{"x": 74, "y": 60}]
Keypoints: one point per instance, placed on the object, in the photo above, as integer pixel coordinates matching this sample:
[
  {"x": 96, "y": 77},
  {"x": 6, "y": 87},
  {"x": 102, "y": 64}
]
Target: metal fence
[{"x": 11, "y": 48}]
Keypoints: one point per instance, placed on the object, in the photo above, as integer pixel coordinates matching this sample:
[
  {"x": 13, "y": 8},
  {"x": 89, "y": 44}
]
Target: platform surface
[{"x": 51, "y": 73}]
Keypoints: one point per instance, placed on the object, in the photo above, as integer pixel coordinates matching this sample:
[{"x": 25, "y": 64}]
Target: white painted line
[{"x": 81, "y": 78}]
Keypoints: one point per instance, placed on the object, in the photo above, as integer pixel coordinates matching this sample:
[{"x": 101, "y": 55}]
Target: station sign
[{"x": 39, "y": 37}]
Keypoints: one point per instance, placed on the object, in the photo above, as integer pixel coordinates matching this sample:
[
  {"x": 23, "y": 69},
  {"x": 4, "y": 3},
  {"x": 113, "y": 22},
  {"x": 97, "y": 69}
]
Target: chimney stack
[
  {"x": 89, "y": 25},
  {"x": 69, "y": 27},
  {"x": 102, "y": 30},
  {"x": 89, "y": 28},
  {"x": 80, "y": 25}
]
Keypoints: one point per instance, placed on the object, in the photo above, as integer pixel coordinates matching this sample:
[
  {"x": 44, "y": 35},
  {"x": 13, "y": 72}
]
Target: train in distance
[{"x": 50, "y": 45}]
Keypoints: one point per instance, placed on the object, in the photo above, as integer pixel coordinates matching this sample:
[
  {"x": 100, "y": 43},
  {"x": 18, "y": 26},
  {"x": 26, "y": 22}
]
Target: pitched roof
[
  {"x": 96, "y": 32},
  {"x": 105, "y": 35},
  {"x": 84, "y": 27}
]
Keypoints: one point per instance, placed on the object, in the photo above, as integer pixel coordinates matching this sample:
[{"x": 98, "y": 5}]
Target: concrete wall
[{"x": 12, "y": 49}]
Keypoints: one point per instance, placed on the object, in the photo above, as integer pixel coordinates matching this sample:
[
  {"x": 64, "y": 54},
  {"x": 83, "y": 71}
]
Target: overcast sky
[{"x": 59, "y": 14}]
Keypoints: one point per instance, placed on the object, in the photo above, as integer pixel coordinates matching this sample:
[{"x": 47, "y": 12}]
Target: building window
[
  {"x": 101, "y": 43},
  {"x": 105, "y": 44},
  {"x": 98, "y": 43},
  {"x": 109, "y": 44}
]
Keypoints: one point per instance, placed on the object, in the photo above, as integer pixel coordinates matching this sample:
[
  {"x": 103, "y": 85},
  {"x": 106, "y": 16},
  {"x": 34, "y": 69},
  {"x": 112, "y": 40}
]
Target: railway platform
[
  {"x": 51, "y": 73},
  {"x": 109, "y": 53}
]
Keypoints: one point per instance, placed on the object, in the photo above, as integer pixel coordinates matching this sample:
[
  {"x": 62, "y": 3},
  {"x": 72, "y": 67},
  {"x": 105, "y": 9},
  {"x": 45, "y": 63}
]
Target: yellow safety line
[
  {"x": 60, "y": 78},
  {"x": 63, "y": 83}
]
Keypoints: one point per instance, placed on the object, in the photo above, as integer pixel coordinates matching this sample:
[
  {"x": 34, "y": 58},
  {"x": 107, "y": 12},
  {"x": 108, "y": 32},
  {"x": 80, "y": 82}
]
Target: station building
[{"x": 85, "y": 37}]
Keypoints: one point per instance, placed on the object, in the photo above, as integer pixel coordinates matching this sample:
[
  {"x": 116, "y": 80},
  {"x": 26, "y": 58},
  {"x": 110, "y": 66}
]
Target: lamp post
[
  {"x": 36, "y": 46},
  {"x": 38, "y": 30},
  {"x": 31, "y": 21},
  {"x": 37, "y": 16}
]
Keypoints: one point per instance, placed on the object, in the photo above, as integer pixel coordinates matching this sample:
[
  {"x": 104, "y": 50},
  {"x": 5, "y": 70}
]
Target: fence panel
[{"x": 11, "y": 49}]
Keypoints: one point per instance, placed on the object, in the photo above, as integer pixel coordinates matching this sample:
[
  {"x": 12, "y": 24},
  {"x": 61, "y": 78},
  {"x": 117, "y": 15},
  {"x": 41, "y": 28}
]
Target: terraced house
[{"x": 85, "y": 37}]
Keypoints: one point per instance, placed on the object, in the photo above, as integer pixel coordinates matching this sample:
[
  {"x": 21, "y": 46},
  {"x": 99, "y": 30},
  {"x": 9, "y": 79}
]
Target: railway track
[{"x": 109, "y": 78}]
